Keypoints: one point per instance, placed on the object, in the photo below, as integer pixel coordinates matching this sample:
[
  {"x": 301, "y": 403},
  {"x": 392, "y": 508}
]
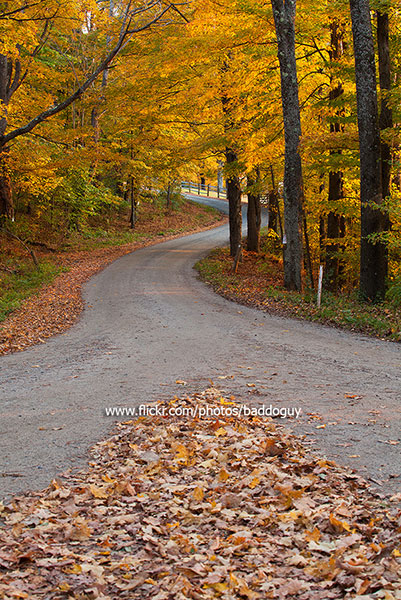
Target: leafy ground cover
[
  {"x": 35, "y": 304},
  {"x": 259, "y": 282},
  {"x": 218, "y": 507}
]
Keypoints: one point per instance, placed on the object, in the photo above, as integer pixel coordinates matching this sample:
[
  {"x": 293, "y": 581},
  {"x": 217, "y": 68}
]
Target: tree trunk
[
  {"x": 386, "y": 114},
  {"x": 253, "y": 216},
  {"x": 335, "y": 221},
  {"x": 274, "y": 220},
  {"x": 373, "y": 267},
  {"x": 9, "y": 77},
  {"x": 132, "y": 219},
  {"x": 6, "y": 196},
  {"x": 234, "y": 202},
  {"x": 168, "y": 197},
  {"x": 335, "y": 230},
  {"x": 308, "y": 254},
  {"x": 284, "y": 18}
]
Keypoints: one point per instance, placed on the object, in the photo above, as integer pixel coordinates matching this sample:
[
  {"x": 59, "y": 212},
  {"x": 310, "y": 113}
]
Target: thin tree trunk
[
  {"x": 308, "y": 257},
  {"x": 253, "y": 216},
  {"x": 274, "y": 221},
  {"x": 373, "y": 268},
  {"x": 334, "y": 219},
  {"x": 386, "y": 113},
  {"x": 234, "y": 202},
  {"x": 133, "y": 199},
  {"x": 284, "y": 20},
  {"x": 6, "y": 196},
  {"x": 233, "y": 186},
  {"x": 168, "y": 197},
  {"x": 9, "y": 77}
]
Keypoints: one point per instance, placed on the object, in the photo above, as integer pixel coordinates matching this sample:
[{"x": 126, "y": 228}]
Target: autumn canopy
[{"x": 296, "y": 103}]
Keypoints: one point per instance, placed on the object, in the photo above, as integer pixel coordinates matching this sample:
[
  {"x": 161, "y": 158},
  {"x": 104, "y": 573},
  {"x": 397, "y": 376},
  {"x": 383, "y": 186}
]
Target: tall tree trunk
[
  {"x": 373, "y": 268},
  {"x": 253, "y": 215},
  {"x": 9, "y": 77},
  {"x": 335, "y": 221},
  {"x": 386, "y": 114},
  {"x": 234, "y": 202},
  {"x": 233, "y": 186},
  {"x": 284, "y": 20}
]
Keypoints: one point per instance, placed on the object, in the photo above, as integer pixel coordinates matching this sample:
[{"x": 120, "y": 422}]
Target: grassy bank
[{"x": 259, "y": 283}]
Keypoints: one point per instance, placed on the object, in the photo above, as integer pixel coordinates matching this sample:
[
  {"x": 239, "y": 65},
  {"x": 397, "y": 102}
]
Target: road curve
[{"x": 149, "y": 322}]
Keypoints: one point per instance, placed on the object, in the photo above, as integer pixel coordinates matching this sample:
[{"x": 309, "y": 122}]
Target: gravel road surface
[{"x": 149, "y": 323}]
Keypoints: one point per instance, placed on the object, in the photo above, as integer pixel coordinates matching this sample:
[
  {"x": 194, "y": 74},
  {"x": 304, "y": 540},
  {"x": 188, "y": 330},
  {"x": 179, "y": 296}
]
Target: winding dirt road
[{"x": 149, "y": 322}]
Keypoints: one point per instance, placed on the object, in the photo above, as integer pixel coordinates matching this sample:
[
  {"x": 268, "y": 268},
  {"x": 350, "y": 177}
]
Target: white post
[{"x": 319, "y": 286}]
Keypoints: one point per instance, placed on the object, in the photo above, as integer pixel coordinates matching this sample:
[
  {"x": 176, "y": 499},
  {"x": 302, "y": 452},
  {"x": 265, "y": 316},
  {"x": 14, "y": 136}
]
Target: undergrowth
[{"x": 259, "y": 282}]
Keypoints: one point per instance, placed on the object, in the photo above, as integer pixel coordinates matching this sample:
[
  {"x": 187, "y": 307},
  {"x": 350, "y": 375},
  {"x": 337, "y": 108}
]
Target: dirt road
[{"x": 149, "y": 323}]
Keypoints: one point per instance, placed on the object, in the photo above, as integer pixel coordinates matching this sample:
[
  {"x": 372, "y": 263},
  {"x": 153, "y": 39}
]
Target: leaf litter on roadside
[{"x": 183, "y": 507}]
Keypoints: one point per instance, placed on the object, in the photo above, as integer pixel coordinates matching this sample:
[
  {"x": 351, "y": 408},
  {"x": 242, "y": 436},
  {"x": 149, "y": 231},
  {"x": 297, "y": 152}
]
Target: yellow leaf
[
  {"x": 181, "y": 452},
  {"x": 220, "y": 432},
  {"x": 223, "y": 475},
  {"x": 99, "y": 492},
  {"x": 226, "y": 402},
  {"x": 108, "y": 479},
  {"x": 254, "y": 483},
  {"x": 313, "y": 535},
  {"x": 74, "y": 570},
  {"x": 198, "y": 493},
  {"x": 339, "y": 524},
  {"x": 220, "y": 587}
]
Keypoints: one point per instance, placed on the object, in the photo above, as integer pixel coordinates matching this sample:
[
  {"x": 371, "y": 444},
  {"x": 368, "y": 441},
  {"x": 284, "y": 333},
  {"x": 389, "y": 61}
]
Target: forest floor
[
  {"x": 213, "y": 507},
  {"x": 258, "y": 282},
  {"x": 36, "y": 304}
]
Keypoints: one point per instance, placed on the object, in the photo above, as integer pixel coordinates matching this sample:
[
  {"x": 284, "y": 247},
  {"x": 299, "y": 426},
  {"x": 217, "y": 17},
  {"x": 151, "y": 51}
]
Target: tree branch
[{"x": 126, "y": 34}]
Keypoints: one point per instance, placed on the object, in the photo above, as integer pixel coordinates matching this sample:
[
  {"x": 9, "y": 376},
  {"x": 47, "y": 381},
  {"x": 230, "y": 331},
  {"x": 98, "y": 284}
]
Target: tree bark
[
  {"x": 168, "y": 196},
  {"x": 133, "y": 202},
  {"x": 386, "y": 113},
  {"x": 6, "y": 196},
  {"x": 335, "y": 221},
  {"x": 373, "y": 266},
  {"x": 284, "y": 18},
  {"x": 234, "y": 202},
  {"x": 253, "y": 216},
  {"x": 9, "y": 80},
  {"x": 274, "y": 221}
]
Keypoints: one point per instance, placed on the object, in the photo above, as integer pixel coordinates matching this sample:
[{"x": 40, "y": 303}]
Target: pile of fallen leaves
[
  {"x": 56, "y": 306},
  {"x": 201, "y": 508}
]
